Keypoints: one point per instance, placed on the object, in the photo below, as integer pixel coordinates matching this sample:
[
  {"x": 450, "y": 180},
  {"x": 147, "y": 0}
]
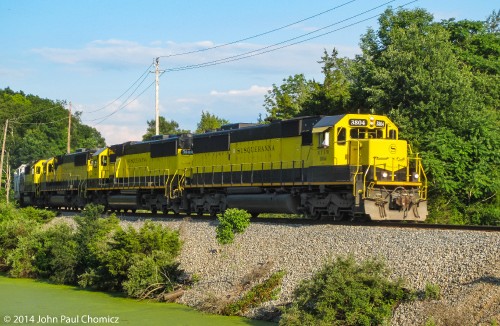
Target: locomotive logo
[{"x": 392, "y": 148}]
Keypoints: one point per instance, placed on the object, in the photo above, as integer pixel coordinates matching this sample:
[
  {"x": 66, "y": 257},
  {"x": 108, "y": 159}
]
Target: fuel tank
[
  {"x": 123, "y": 201},
  {"x": 264, "y": 203}
]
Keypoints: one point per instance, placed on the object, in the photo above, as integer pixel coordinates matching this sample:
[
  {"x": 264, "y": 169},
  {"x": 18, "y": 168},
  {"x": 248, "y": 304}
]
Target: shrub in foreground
[
  {"x": 344, "y": 292},
  {"x": 232, "y": 221}
]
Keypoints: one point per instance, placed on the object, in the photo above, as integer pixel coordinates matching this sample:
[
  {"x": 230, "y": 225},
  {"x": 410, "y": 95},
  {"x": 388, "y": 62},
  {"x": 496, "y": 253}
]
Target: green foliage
[
  {"x": 481, "y": 214},
  {"x": 232, "y": 221},
  {"x": 445, "y": 210},
  {"x": 98, "y": 253},
  {"x": 209, "y": 122},
  {"x": 432, "y": 291},
  {"x": 166, "y": 128},
  {"x": 439, "y": 82},
  {"x": 257, "y": 295},
  {"x": 91, "y": 235},
  {"x": 344, "y": 292},
  {"x": 49, "y": 253},
  {"x": 39, "y": 215},
  {"x": 130, "y": 259},
  {"x": 152, "y": 275},
  {"x": 287, "y": 100},
  {"x": 15, "y": 229},
  {"x": 41, "y": 129}
]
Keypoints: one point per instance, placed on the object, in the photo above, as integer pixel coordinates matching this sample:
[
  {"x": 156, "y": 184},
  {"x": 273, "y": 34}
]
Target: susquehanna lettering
[{"x": 255, "y": 149}]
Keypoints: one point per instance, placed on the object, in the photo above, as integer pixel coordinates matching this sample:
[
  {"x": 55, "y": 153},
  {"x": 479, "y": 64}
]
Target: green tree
[
  {"x": 166, "y": 128},
  {"x": 333, "y": 96},
  {"x": 286, "y": 101},
  {"x": 209, "y": 122},
  {"x": 38, "y": 127},
  {"x": 416, "y": 77}
]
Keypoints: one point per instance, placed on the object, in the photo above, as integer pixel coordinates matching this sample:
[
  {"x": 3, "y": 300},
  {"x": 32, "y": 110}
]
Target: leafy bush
[
  {"x": 20, "y": 259},
  {"x": 344, "y": 292},
  {"x": 232, "y": 221},
  {"x": 47, "y": 253},
  {"x": 40, "y": 215},
  {"x": 132, "y": 260},
  {"x": 56, "y": 258},
  {"x": 152, "y": 275},
  {"x": 483, "y": 214},
  {"x": 13, "y": 233},
  {"x": 91, "y": 235},
  {"x": 98, "y": 253}
]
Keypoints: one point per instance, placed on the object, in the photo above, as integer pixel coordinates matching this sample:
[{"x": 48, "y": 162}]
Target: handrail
[
  {"x": 413, "y": 163},
  {"x": 358, "y": 167},
  {"x": 207, "y": 175}
]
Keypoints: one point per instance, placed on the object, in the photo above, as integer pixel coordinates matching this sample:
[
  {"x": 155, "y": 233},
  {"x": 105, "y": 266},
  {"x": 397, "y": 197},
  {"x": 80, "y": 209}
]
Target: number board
[
  {"x": 358, "y": 122},
  {"x": 379, "y": 123}
]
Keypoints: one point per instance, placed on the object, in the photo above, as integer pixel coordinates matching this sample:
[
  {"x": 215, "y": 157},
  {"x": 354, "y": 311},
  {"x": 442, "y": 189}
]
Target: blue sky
[{"x": 91, "y": 52}]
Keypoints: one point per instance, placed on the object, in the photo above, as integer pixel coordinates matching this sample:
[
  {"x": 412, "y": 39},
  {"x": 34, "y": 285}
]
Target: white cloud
[
  {"x": 254, "y": 90},
  {"x": 117, "y": 134},
  {"x": 106, "y": 54}
]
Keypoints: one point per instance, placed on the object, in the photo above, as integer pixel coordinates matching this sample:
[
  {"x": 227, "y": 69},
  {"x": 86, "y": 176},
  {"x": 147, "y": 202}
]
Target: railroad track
[{"x": 301, "y": 221}]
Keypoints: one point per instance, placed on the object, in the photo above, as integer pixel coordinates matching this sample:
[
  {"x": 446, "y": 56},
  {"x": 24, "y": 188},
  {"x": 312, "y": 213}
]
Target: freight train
[{"x": 337, "y": 167}]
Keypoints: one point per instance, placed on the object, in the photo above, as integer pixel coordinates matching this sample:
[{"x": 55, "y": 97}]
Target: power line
[
  {"x": 264, "y": 50},
  {"x": 40, "y": 123},
  {"x": 258, "y": 35},
  {"x": 125, "y": 92},
  {"x": 103, "y": 118},
  {"x": 33, "y": 113}
]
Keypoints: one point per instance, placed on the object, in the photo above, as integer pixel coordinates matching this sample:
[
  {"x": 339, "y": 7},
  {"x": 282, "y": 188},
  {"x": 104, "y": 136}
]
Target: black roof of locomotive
[{"x": 220, "y": 140}]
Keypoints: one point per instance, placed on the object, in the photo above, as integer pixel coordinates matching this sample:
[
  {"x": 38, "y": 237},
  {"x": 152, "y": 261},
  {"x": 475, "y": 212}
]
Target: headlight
[
  {"x": 415, "y": 176},
  {"x": 384, "y": 174}
]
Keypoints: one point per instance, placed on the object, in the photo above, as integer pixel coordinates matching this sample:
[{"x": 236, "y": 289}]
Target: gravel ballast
[{"x": 465, "y": 264}]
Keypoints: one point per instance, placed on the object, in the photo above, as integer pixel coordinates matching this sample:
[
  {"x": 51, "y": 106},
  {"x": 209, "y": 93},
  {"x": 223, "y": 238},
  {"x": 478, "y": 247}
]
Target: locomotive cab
[
  {"x": 389, "y": 180},
  {"x": 30, "y": 190}
]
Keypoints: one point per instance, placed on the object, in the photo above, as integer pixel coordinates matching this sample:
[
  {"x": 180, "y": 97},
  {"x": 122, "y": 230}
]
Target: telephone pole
[
  {"x": 157, "y": 96},
  {"x": 69, "y": 129},
  {"x": 157, "y": 72},
  {"x": 3, "y": 150}
]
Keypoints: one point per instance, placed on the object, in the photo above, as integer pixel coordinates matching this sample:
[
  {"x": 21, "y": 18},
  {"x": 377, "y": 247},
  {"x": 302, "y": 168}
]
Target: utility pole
[
  {"x": 157, "y": 96},
  {"x": 156, "y": 62},
  {"x": 69, "y": 129},
  {"x": 7, "y": 181},
  {"x": 3, "y": 150}
]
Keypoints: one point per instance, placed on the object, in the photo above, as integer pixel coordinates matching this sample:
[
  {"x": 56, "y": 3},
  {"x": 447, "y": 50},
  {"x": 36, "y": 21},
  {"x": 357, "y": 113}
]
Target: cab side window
[
  {"x": 358, "y": 133},
  {"x": 324, "y": 139},
  {"x": 104, "y": 160},
  {"x": 341, "y": 136},
  {"x": 392, "y": 134}
]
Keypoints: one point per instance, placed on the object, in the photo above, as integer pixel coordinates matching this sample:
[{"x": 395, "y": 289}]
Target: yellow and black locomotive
[{"x": 343, "y": 166}]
